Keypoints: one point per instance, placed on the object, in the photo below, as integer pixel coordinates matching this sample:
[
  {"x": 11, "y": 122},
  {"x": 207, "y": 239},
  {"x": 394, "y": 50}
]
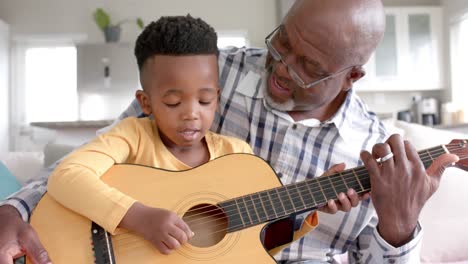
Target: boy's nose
[{"x": 190, "y": 113}]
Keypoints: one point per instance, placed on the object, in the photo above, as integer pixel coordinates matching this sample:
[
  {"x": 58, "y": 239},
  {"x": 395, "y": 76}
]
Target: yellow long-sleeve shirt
[{"x": 76, "y": 184}]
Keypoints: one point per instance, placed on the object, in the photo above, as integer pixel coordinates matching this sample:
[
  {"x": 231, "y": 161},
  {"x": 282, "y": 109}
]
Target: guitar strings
[
  {"x": 253, "y": 200},
  {"x": 424, "y": 159},
  {"x": 327, "y": 186}
]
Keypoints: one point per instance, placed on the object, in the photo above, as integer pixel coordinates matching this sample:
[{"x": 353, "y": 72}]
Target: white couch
[{"x": 443, "y": 218}]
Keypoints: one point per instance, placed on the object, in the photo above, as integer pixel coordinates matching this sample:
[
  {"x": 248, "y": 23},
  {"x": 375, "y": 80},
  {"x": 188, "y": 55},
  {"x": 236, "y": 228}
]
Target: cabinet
[
  {"x": 409, "y": 58},
  {"x": 107, "y": 78},
  {"x": 106, "y": 67}
]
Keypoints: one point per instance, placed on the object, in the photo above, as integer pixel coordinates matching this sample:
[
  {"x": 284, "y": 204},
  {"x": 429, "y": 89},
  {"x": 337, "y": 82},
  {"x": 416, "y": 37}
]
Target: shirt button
[
  {"x": 294, "y": 126},
  {"x": 391, "y": 261}
]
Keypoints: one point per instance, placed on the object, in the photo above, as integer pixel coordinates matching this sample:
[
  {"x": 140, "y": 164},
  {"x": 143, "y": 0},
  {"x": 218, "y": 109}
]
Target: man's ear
[
  {"x": 144, "y": 101},
  {"x": 353, "y": 76}
]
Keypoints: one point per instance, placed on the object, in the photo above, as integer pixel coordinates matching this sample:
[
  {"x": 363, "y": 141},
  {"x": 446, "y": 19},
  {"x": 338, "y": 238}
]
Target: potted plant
[{"x": 112, "y": 31}]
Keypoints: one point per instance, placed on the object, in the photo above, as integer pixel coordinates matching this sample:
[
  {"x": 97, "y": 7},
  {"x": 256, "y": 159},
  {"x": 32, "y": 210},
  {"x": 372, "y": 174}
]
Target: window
[
  {"x": 50, "y": 84},
  {"x": 43, "y": 88}
]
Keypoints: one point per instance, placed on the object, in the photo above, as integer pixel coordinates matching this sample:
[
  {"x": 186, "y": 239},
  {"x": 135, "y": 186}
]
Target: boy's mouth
[{"x": 189, "y": 134}]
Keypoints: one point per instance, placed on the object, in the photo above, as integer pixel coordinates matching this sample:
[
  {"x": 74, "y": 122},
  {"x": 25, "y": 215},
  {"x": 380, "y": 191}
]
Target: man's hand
[
  {"x": 400, "y": 186},
  {"x": 345, "y": 201},
  {"x": 18, "y": 238}
]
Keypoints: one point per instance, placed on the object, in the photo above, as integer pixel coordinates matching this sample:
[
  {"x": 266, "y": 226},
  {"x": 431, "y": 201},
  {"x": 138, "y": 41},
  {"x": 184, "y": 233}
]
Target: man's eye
[{"x": 172, "y": 105}]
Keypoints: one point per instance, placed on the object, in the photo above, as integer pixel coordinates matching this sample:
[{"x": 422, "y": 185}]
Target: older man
[{"x": 295, "y": 105}]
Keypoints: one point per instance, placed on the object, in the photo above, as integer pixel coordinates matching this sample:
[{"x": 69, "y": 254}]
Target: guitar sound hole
[{"x": 208, "y": 222}]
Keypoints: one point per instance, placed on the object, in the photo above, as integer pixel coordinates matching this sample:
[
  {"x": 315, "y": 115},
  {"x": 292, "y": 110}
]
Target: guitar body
[{"x": 67, "y": 235}]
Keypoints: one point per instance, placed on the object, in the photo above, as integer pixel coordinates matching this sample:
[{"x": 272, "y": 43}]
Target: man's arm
[{"x": 17, "y": 237}]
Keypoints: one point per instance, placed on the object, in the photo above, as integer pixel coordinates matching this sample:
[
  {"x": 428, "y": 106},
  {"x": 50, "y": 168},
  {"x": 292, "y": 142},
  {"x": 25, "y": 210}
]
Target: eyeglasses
[{"x": 277, "y": 57}]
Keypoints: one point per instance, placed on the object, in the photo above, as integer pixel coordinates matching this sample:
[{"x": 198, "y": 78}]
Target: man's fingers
[
  {"x": 5, "y": 258},
  {"x": 334, "y": 169},
  {"x": 33, "y": 248},
  {"x": 331, "y": 207},
  {"x": 438, "y": 166},
  {"x": 353, "y": 197},
  {"x": 345, "y": 203},
  {"x": 365, "y": 196}
]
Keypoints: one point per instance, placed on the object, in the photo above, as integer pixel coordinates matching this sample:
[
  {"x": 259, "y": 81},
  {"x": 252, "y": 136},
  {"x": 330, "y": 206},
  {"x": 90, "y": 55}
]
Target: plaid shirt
[{"x": 297, "y": 151}]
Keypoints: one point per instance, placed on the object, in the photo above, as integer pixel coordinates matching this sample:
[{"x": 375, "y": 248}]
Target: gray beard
[{"x": 284, "y": 107}]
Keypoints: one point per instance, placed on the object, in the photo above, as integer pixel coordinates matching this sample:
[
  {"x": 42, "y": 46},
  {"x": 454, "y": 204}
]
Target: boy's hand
[
  {"x": 161, "y": 227},
  {"x": 345, "y": 202}
]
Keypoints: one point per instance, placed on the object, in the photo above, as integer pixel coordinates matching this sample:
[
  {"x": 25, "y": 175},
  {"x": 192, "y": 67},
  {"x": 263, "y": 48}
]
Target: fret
[
  {"x": 295, "y": 193},
  {"x": 339, "y": 183},
  {"x": 287, "y": 200},
  {"x": 332, "y": 186},
  {"x": 327, "y": 190},
  {"x": 358, "y": 181},
  {"x": 269, "y": 207},
  {"x": 316, "y": 192},
  {"x": 365, "y": 181},
  {"x": 306, "y": 184},
  {"x": 247, "y": 209},
  {"x": 252, "y": 209},
  {"x": 321, "y": 190},
  {"x": 235, "y": 221},
  {"x": 243, "y": 212},
  {"x": 342, "y": 178},
  {"x": 277, "y": 203},
  {"x": 261, "y": 208},
  {"x": 427, "y": 162}
]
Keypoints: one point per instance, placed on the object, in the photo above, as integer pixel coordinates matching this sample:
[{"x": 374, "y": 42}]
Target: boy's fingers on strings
[{"x": 182, "y": 225}]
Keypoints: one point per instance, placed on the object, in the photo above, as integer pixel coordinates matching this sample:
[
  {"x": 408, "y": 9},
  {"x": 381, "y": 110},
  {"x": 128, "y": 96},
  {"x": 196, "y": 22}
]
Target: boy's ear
[{"x": 144, "y": 101}]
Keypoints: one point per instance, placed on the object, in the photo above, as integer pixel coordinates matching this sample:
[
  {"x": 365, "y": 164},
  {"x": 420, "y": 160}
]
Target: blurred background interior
[{"x": 62, "y": 77}]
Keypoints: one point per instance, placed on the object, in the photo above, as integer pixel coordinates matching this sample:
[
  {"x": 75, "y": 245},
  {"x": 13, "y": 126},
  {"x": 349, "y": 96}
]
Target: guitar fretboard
[{"x": 268, "y": 205}]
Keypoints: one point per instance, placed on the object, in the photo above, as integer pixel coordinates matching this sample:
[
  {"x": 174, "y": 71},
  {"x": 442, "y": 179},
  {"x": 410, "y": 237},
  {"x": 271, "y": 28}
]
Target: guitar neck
[{"x": 277, "y": 203}]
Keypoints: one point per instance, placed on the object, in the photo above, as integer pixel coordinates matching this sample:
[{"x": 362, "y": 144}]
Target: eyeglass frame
[{"x": 277, "y": 57}]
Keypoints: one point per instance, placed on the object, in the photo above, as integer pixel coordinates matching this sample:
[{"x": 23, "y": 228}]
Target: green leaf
[
  {"x": 102, "y": 18},
  {"x": 140, "y": 23}
]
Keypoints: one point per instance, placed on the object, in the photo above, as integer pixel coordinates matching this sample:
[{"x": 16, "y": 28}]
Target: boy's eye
[
  {"x": 205, "y": 102},
  {"x": 172, "y": 105}
]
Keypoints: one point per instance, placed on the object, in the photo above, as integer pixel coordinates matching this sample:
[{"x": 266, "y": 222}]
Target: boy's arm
[{"x": 76, "y": 182}]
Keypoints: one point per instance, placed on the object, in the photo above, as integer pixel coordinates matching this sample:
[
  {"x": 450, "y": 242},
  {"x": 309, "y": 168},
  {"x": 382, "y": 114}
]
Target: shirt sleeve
[
  {"x": 76, "y": 183},
  {"x": 26, "y": 199},
  {"x": 370, "y": 247}
]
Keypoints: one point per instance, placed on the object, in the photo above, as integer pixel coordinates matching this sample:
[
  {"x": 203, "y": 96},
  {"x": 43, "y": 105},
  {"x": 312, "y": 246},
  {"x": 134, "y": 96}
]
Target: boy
[{"x": 178, "y": 64}]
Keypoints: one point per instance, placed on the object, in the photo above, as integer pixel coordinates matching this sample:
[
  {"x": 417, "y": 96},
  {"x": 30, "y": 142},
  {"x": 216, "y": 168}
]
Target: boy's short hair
[{"x": 176, "y": 35}]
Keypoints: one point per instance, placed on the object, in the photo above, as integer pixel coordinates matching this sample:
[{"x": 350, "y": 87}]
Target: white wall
[
  {"x": 71, "y": 16},
  {"x": 4, "y": 94}
]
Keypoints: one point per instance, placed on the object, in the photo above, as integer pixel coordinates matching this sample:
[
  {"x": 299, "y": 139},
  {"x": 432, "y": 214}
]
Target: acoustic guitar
[{"x": 230, "y": 203}]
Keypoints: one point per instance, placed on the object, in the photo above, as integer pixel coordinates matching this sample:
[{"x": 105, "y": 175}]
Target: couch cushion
[
  {"x": 24, "y": 165},
  {"x": 8, "y": 182},
  {"x": 444, "y": 219}
]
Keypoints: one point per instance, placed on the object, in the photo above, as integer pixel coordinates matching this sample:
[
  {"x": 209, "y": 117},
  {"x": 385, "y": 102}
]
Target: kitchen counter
[{"x": 73, "y": 124}]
